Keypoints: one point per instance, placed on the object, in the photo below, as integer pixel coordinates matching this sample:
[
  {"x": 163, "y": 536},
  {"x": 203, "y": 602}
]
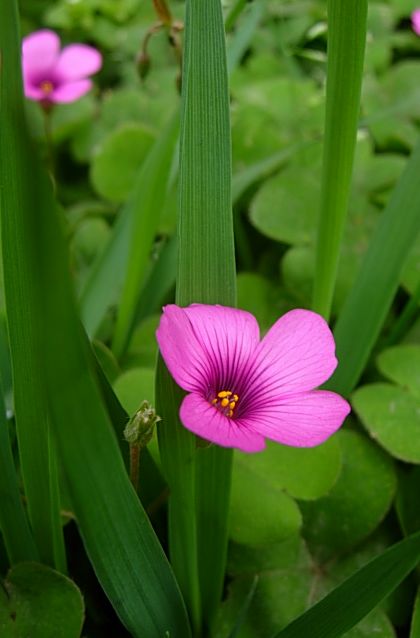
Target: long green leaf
[
  {"x": 346, "y": 46},
  {"x": 148, "y": 198},
  {"x": 119, "y": 540},
  {"x": 19, "y": 542},
  {"x": 365, "y": 310},
  {"x": 30, "y": 399},
  {"x": 139, "y": 216},
  {"x": 206, "y": 273},
  {"x": 415, "y": 621},
  {"x": 342, "y": 609}
]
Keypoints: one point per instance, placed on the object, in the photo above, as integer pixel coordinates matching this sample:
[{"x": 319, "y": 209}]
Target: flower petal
[
  {"x": 415, "y": 21},
  {"x": 39, "y": 52},
  {"x": 206, "y": 347},
  {"x": 203, "y": 419},
  {"x": 229, "y": 337},
  {"x": 78, "y": 61},
  {"x": 300, "y": 420},
  {"x": 33, "y": 92},
  {"x": 70, "y": 91},
  {"x": 297, "y": 354}
]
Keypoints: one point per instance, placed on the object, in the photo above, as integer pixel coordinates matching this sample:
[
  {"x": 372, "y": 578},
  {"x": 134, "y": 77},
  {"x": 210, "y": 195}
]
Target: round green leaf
[
  {"x": 286, "y": 205},
  {"x": 355, "y": 506},
  {"x": 40, "y": 603},
  {"x": 402, "y": 365},
  {"x": 134, "y": 386},
  {"x": 117, "y": 161},
  {"x": 284, "y": 581},
  {"x": 411, "y": 272},
  {"x": 392, "y": 416},
  {"x": 261, "y": 512}
]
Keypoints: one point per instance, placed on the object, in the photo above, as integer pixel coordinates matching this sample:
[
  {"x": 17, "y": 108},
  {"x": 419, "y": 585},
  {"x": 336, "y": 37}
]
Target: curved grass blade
[
  {"x": 30, "y": 399},
  {"x": 368, "y": 303},
  {"x": 415, "y": 621},
  {"x": 18, "y": 539},
  {"x": 119, "y": 540},
  {"x": 106, "y": 281},
  {"x": 148, "y": 200},
  {"x": 351, "y": 601},
  {"x": 346, "y": 45}
]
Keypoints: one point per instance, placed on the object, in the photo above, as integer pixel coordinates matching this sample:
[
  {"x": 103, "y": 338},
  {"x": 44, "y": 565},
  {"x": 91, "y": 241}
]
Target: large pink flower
[
  {"x": 243, "y": 389},
  {"x": 53, "y": 76}
]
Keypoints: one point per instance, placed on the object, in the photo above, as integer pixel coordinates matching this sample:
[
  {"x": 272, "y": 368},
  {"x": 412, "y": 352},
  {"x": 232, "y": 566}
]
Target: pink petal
[
  {"x": 206, "y": 347},
  {"x": 206, "y": 421},
  {"x": 297, "y": 354},
  {"x": 415, "y": 21},
  {"x": 70, "y": 91},
  {"x": 78, "y": 61},
  {"x": 39, "y": 52},
  {"x": 301, "y": 420},
  {"x": 33, "y": 92}
]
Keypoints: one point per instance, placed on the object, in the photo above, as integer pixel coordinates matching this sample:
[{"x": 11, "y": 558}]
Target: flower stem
[{"x": 134, "y": 464}]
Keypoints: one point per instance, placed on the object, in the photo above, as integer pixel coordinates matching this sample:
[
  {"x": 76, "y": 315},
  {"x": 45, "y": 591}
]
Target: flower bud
[{"x": 139, "y": 429}]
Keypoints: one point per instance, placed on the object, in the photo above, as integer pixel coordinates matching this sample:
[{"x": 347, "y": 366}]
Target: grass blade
[
  {"x": 377, "y": 281},
  {"x": 148, "y": 201},
  {"x": 31, "y": 407},
  {"x": 415, "y": 621},
  {"x": 351, "y": 601},
  {"x": 206, "y": 273},
  {"x": 346, "y": 46},
  {"x": 18, "y": 539}
]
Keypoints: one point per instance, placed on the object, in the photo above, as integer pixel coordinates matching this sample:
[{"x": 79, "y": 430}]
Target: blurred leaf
[
  {"x": 260, "y": 513},
  {"x": 392, "y": 417},
  {"x": 117, "y": 160},
  {"x": 401, "y": 364},
  {"x": 354, "y": 507},
  {"x": 41, "y": 603},
  {"x": 377, "y": 279},
  {"x": 134, "y": 386},
  {"x": 340, "y": 610},
  {"x": 415, "y": 623}
]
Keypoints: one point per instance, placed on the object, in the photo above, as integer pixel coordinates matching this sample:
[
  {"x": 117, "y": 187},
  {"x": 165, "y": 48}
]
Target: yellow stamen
[
  {"x": 47, "y": 87},
  {"x": 225, "y": 401},
  {"x": 224, "y": 393}
]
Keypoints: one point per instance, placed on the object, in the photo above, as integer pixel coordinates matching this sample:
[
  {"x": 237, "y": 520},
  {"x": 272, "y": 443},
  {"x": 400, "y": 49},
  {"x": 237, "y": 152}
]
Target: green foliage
[
  {"x": 391, "y": 412},
  {"x": 39, "y": 602},
  {"x": 301, "y": 521}
]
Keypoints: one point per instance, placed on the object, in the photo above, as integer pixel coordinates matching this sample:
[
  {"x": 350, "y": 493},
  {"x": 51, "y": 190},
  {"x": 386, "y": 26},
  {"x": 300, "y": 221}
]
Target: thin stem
[
  {"x": 134, "y": 464},
  {"x": 163, "y": 12}
]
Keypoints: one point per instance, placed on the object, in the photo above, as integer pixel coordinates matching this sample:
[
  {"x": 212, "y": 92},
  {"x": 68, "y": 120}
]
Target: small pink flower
[
  {"x": 243, "y": 389},
  {"x": 53, "y": 76},
  {"x": 415, "y": 21}
]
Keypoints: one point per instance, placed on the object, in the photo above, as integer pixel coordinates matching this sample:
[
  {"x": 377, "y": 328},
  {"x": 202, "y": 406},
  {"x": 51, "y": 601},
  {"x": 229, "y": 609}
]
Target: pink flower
[
  {"x": 415, "y": 21},
  {"x": 53, "y": 76},
  {"x": 243, "y": 389}
]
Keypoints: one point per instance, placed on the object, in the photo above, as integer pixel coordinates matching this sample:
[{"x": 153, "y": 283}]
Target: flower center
[
  {"x": 225, "y": 402},
  {"x": 46, "y": 87}
]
